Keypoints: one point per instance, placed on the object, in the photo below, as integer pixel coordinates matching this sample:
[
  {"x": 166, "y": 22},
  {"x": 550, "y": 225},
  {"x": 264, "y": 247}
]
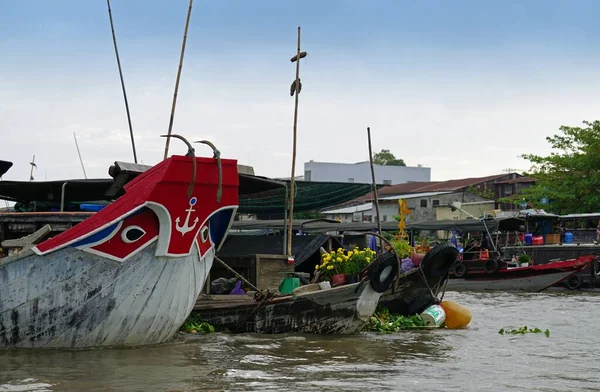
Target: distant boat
[
  {"x": 528, "y": 279},
  {"x": 130, "y": 273}
]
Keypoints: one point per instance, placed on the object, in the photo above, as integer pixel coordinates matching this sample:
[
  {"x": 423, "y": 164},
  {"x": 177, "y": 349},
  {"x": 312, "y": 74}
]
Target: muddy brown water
[{"x": 475, "y": 359}]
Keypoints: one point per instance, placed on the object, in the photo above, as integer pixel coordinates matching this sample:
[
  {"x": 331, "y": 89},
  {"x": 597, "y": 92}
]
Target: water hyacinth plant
[{"x": 350, "y": 262}]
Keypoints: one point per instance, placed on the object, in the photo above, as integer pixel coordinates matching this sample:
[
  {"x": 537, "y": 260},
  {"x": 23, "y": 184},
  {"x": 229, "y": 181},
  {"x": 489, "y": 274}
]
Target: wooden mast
[
  {"x": 296, "y": 86},
  {"x": 112, "y": 28},
  {"x": 187, "y": 23},
  {"x": 374, "y": 189}
]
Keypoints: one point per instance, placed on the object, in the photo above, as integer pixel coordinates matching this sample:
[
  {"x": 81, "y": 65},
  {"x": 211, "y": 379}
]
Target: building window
[
  {"x": 423, "y": 203},
  {"x": 387, "y": 182},
  {"x": 384, "y": 218},
  {"x": 351, "y": 180},
  {"x": 307, "y": 175},
  {"x": 435, "y": 203}
]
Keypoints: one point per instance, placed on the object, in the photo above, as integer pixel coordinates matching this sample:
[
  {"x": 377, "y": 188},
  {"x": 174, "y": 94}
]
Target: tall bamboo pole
[
  {"x": 374, "y": 189},
  {"x": 187, "y": 23},
  {"x": 112, "y": 28},
  {"x": 296, "y": 84}
]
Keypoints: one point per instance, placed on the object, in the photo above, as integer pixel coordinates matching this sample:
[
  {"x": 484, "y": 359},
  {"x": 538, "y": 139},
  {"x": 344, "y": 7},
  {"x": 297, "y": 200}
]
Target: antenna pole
[
  {"x": 112, "y": 28},
  {"x": 79, "y": 153},
  {"x": 295, "y": 89},
  {"x": 187, "y": 23}
]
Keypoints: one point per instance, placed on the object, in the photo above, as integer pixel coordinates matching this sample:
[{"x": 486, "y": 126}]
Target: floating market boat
[
  {"x": 128, "y": 274},
  {"x": 339, "y": 310},
  {"x": 531, "y": 278}
]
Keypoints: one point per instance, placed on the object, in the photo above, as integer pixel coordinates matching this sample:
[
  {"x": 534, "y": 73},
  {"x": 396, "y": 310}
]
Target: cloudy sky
[{"x": 460, "y": 86}]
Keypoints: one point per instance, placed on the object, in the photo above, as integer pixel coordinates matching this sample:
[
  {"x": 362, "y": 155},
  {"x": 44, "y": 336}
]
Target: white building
[{"x": 360, "y": 173}]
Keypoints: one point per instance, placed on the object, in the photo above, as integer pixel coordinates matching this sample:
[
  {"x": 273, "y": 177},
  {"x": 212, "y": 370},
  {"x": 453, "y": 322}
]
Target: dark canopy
[
  {"x": 309, "y": 196},
  {"x": 98, "y": 189}
]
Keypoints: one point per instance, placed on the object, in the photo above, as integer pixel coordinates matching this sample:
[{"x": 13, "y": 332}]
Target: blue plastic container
[
  {"x": 91, "y": 207},
  {"x": 528, "y": 238},
  {"x": 568, "y": 238}
]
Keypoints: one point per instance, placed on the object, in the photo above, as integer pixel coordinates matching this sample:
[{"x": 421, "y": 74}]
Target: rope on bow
[
  {"x": 190, "y": 153},
  {"x": 217, "y": 156}
]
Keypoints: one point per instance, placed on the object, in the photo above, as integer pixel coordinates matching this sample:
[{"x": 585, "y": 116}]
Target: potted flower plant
[
  {"x": 341, "y": 267},
  {"x": 524, "y": 260}
]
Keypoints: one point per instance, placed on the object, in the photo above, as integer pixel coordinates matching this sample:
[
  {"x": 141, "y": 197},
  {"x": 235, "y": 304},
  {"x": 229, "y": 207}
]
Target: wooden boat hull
[
  {"x": 528, "y": 279},
  {"x": 339, "y": 310},
  {"x": 73, "y": 299},
  {"x": 128, "y": 275}
]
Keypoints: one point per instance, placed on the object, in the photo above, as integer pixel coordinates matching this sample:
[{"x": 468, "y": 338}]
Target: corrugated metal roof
[
  {"x": 413, "y": 195},
  {"x": 350, "y": 210}
]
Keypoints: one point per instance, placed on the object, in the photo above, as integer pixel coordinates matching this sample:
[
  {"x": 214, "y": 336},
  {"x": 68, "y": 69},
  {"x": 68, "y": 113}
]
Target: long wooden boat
[
  {"x": 129, "y": 274},
  {"x": 338, "y": 310},
  {"x": 533, "y": 278}
]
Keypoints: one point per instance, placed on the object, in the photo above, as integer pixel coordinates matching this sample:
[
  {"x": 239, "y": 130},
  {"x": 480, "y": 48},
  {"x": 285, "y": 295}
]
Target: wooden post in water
[
  {"x": 187, "y": 23},
  {"x": 295, "y": 88},
  {"x": 374, "y": 189}
]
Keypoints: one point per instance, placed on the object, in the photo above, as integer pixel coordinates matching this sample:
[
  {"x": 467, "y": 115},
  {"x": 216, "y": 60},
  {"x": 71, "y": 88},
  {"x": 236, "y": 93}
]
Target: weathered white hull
[
  {"x": 528, "y": 284},
  {"x": 71, "y": 298}
]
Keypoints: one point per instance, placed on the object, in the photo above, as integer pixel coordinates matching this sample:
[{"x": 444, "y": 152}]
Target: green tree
[
  {"x": 386, "y": 158},
  {"x": 568, "y": 180}
]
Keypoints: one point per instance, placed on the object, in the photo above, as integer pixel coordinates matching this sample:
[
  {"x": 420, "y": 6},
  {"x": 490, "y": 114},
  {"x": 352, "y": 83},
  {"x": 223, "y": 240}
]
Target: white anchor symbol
[{"x": 185, "y": 228}]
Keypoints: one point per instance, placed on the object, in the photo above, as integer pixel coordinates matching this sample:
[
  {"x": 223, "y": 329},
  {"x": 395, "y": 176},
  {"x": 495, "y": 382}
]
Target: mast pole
[
  {"x": 187, "y": 23},
  {"x": 295, "y": 89},
  {"x": 112, "y": 28}
]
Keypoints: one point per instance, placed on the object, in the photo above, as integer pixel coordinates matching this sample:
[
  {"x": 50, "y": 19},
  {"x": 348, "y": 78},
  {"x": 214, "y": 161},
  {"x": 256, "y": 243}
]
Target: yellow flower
[
  {"x": 340, "y": 250},
  {"x": 346, "y": 258},
  {"x": 350, "y": 254},
  {"x": 368, "y": 259},
  {"x": 325, "y": 263},
  {"x": 339, "y": 259},
  {"x": 324, "y": 255},
  {"x": 317, "y": 267},
  {"x": 330, "y": 267}
]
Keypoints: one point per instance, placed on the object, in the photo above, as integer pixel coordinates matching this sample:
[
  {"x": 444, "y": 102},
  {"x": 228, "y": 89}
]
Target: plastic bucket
[
  {"x": 434, "y": 316},
  {"x": 288, "y": 285}
]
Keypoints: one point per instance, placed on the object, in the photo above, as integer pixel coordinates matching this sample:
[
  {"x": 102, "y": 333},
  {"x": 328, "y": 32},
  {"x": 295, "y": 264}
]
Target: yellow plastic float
[{"x": 457, "y": 316}]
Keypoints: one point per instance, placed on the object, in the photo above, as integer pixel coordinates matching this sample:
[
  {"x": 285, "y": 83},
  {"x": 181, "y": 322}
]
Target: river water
[{"x": 474, "y": 359}]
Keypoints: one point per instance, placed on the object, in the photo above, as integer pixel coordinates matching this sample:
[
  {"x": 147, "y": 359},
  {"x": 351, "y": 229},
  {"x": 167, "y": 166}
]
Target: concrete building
[
  {"x": 360, "y": 173},
  {"x": 423, "y": 206}
]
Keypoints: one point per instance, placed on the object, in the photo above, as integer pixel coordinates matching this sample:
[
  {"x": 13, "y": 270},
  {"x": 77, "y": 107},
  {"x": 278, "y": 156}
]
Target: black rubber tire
[
  {"x": 438, "y": 261},
  {"x": 491, "y": 266},
  {"x": 573, "y": 282},
  {"x": 459, "y": 270},
  {"x": 382, "y": 272}
]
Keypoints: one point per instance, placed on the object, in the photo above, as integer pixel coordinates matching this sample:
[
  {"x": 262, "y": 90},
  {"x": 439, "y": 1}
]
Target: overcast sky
[{"x": 463, "y": 87}]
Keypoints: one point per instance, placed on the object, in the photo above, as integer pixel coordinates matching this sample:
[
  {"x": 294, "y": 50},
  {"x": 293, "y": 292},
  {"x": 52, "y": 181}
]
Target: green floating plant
[
  {"x": 194, "y": 324},
  {"x": 522, "y": 330}
]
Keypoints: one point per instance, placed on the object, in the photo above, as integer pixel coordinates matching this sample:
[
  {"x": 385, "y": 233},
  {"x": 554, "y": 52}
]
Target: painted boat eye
[
  {"x": 132, "y": 234},
  {"x": 204, "y": 234}
]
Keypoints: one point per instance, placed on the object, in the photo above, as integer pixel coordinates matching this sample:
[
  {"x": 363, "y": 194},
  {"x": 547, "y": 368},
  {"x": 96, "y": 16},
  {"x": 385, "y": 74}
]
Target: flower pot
[
  {"x": 338, "y": 280},
  {"x": 352, "y": 278},
  {"x": 417, "y": 258}
]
